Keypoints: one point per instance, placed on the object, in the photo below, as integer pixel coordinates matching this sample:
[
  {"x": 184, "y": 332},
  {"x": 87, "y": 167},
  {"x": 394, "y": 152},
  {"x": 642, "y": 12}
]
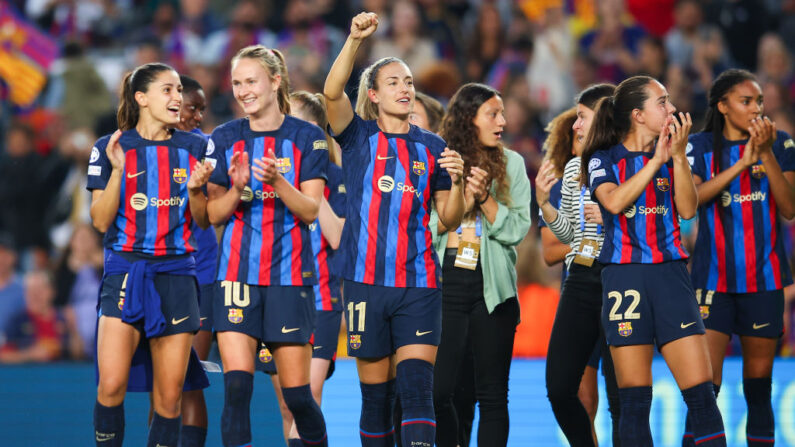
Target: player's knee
[
  {"x": 111, "y": 390},
  {"x": 299, "y": 399},
  {"x": 167, "y": 403}
]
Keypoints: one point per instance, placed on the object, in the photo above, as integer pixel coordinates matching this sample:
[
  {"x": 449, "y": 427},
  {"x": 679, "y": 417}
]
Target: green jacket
[{"x": 497, "y": 252}]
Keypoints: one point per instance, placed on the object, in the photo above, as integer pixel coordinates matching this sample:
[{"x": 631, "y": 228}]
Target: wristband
[{"x": 481, "y": 202}]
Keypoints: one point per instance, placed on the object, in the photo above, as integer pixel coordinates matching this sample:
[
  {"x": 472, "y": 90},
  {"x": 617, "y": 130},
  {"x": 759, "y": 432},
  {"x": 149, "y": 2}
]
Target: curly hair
[
  {"x": 461, "y": 134},
  {"x": 560, "y": 139}
]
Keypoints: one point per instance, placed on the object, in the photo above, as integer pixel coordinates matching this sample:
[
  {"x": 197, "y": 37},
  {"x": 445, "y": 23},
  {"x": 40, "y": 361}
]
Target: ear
[
  {"x": 140, "y": 98},
  {"x": 373, "y": 96},
  {"x": 276, "y": 82},
  {"x": 722, "y": 107},
  {"x": 637, "y": 115}
]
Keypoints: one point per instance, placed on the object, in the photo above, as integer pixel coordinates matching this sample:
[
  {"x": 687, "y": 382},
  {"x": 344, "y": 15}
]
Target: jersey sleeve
[
  {"x": 441, "y": 180},
  {"x": 216, "y": 155},
  {"x": 784, "y": 150},
  {"x": 99, "y": 166},
  {"x": 353, "y": 136},
  {"x": 695, "y": 156},
  {"x": 337, "y": 193},
  {"x": 314, "y": 154},
  {"x": 600, "y": 170}
]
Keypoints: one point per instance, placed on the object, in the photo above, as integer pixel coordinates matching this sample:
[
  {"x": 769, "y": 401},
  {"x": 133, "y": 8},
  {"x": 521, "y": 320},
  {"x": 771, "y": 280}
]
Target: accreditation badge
[
  {"x": 586, "y": 254},
  {"x": 467, "y": 256}
]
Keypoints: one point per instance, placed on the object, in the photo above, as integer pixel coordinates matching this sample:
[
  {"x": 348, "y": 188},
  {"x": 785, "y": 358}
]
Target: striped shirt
[
  {"x": 567, "y": 225},
  {"x": 154, "y": 214},
  {"x": 327, "y": 289}
]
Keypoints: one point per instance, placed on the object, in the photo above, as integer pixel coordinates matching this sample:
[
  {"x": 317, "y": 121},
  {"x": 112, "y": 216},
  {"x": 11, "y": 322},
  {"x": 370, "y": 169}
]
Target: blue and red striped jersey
[
  {"x": 154, "y": 214},
  {"x": 739, "y": 248},
  {"x": 647, "y": 231},
  {"x": 327, "y": 290},
  {"x": 207, "y": 251},
  {"x": 390, "y": 180},
  {"x": 264, "y": 244}
]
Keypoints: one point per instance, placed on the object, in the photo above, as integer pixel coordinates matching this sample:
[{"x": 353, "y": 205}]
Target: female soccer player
[
  {"x": 744, "y": 176},
  {"x": 391, "y": 170},
  {"x": 577, "y": 331},
  {"x": 266, "y": 272},
  {"x": 146, "y": 182},
  {"x": 635, "y": 164},
  {"x": 326, "y": 232},
  {"x": 479, "y": 294}
]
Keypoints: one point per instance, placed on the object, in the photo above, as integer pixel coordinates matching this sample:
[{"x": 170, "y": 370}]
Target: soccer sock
[
  {"x": 415, "y": 387},
  {"x": 109, "y": 425},
  {"x": 375, "y": 422},
  {"x": 236, "y": 415},
  {"x": 760, "y": 429},
  {"x": 634, "y": 424},
  {"x": 704, "y": 416},
  {"x": 687, "y": 439},
  {"x": 308, "y": 417},
  {"x": 192, "y": 436},
  {"x": 164, "y": 432}
]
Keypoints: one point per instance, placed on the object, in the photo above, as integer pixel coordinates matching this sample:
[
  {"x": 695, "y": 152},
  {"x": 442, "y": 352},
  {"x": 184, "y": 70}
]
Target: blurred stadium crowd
[{"x": 58, "y": 94}]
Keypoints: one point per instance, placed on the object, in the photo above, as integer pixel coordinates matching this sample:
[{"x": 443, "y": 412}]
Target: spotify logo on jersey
[
  {"x": 386, "y": 183},
  {"x": 629, "y": 211},
  {"x": 247, "y": 195},
  {"x": 725, "y": 198},
  {"x": 138, "y": 201}
]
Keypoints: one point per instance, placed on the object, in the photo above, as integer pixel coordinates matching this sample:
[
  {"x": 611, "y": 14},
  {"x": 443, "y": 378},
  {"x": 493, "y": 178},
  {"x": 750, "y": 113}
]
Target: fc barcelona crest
[
  {"x": 758, "y": 171},
  {"x": 121, "y": 303},
  {"x": 355, "y": 341},
  {"x": 265, "y": 355},
  {"x": 625, "y": 329},
  {"x": 418, "y": 167},
  {"x": 704, "y": 310},
  {"x": 180, "y": 175},
  {"x": 662, "y": 184},
  {"x": 283, "y": 165},
  {"x": 235, "y": 315}
]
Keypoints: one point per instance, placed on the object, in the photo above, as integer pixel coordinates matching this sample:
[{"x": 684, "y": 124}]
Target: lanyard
[
  {"x": 478, "y": 227},
  {"x": 582, "y": 213}
]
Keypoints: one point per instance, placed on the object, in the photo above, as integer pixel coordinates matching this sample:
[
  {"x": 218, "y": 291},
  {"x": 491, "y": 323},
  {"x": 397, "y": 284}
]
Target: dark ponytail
[
  {"x": 715, "y": 121},
  {"x": 613, "y": 118},
  {"x": 137, "y": 80}
]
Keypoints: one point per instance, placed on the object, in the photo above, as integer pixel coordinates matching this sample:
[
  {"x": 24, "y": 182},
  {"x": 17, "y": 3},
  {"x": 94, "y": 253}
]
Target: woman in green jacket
[{"x": 479, "y": 279}]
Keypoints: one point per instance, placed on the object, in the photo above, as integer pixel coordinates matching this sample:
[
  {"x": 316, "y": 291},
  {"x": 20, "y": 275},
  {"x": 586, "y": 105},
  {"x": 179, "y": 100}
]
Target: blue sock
[
  {"x": 634, "y": 423},
  {"x": 236, "y": 416},
  {"x": 164, "y": 432},
  {"x": 760, "y": 429},
  {"x": 109, "y": 425},
  {"x": 192, "y": 436},
  {"x": 308, "y": 418},
  {"x": 415, "y": 387},
  {"x": 375, "y": 421},
  {"x": 294, "y": 442},
  {"x": 705, "y": 419},
  {"x": 687, "y": 439}
]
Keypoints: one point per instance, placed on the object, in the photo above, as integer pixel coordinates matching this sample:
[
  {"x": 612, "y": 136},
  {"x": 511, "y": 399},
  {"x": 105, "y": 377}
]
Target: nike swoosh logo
[
  {"x": 175, "y": 322},
  {"x": 420, "y": 334},
  {"x": 685, "y": 326},
  {"x": 287, "y": 331},
  {"x": 318, "y": 347},
  {"x": 378, "y": 157},
  {"x": 103, "y": 437},
  {"x": 135, "y": 175},
  {"x": 760, "y": 326},
  {"x": 202, "y": 318}
]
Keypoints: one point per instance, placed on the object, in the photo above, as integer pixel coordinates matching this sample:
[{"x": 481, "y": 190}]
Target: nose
[
  {"x": 671, "y": 107},
  {"x": 501, "y": 119},
  {"x": 577, "y": 124}
]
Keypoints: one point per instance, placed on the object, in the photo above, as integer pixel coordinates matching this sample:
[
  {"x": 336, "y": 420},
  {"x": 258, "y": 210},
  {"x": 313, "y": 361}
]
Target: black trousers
[
  {"x": 490, "y": 335},
  {"x": 576, "y": 331}
]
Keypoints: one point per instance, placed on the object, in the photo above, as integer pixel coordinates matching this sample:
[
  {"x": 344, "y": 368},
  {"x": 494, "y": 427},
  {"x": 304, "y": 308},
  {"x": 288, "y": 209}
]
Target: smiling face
[
  {"x": 581, "y": 127},
  {"x": 741, "y": 105},
  {"x": 163, "y": 98},
  {"x": 254, "y": 87},
  {"x": 490, "y": 121},
  {"x": 192, "y": 112},
  {"x": 656, "y": 109},
  {"x": 394, "y": 90}
]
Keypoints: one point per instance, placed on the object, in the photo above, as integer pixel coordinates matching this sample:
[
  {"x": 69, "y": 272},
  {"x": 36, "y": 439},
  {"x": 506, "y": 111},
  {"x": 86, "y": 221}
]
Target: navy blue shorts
[
  {"x": 759, "y": 314},
  {"x": 206, "y": 298},
  {"x": 274, "y": 314},
  {"x": 265, "y": 362},
  {"x": 645, "y": 304},
  {"x": 382, "y": 319},
  {"x": 596, "y": 355},
  {"x": 327, "y": 332},
  {"x": 179, "y": 301}
]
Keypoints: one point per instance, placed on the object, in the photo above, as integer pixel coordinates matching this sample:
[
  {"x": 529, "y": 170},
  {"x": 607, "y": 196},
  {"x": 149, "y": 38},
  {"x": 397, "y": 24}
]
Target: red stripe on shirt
[
  {"x": 404, "y": 215},
  {"x": 749, "y": 238},
  {"x": 382, "y": 151},
  {"x": 266, "y": 230},
  {"x": 163, "y": 193},
  {"x": 130, "y": 188},
  {"x": 626, "y": 243},
  {"x": 233, "y": 264},
  {"x": 430, "y": 266},
  {"x": 186, "y": 228},
  {"x": 296, "y": 264},
  {"x": 775, "y": 262},
  {"x": 651, "y": 222}
]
